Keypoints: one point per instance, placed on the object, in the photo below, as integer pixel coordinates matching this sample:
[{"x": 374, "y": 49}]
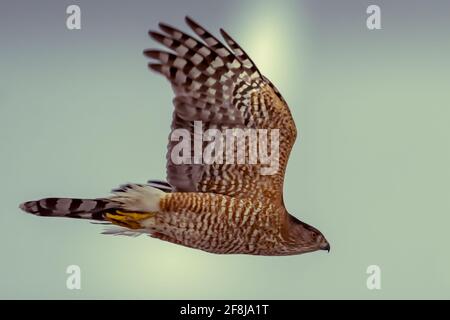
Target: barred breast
[{"x": 218, "y": 223}]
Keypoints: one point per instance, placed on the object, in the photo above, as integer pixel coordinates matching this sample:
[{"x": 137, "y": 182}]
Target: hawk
[{"x": 224, "y": 208}]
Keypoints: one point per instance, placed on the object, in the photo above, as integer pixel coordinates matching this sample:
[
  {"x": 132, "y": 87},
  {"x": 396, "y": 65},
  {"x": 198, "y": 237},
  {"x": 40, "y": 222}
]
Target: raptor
[{"x": 218, "y": 207}]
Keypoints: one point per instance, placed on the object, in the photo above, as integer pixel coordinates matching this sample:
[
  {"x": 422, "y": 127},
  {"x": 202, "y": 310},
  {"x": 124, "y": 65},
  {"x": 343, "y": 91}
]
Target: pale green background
[{"x": 80, "y": 114}]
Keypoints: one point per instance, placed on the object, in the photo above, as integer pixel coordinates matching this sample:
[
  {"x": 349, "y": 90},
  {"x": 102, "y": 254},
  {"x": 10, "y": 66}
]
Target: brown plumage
[{"x": 219, "y": 208}]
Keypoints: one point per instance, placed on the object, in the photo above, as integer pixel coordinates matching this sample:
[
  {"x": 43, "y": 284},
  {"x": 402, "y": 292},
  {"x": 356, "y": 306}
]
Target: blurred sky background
[{"x": 80, "y": 114}]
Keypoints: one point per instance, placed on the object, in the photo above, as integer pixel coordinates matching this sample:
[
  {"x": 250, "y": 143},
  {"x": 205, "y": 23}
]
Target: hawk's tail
[
  {"x": 130, "y": 204},
  {"x": 93, "y": 209}
]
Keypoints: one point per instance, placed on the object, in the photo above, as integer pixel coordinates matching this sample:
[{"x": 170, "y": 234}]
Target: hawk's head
[{"x": 305, "y": 238}]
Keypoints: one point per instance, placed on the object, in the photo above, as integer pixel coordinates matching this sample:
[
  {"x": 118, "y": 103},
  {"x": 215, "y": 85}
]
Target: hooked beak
[{"x": 326, "y": 247}]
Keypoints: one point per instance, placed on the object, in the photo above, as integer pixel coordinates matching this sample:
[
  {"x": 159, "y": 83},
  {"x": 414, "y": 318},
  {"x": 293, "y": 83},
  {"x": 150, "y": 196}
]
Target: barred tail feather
[
  {"x": 128, "y": 207},
  {"x": 67, "y": 207}
]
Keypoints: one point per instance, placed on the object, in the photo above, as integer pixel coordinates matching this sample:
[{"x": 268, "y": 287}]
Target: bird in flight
[{"x": 224, "y": 208}]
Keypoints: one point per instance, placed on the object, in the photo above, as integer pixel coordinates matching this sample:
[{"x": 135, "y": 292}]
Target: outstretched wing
[{"x": 223, "y": 89}]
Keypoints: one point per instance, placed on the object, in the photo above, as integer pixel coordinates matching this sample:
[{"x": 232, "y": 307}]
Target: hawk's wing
[{"x": 222, "y": 89}]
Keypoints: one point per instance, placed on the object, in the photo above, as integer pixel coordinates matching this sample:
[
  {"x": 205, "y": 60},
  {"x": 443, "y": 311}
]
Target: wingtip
[
  {"x": 155, "y": 35},
  {"x": 191, "y": 22},
  {"x": 225, "y": 35},
  {"x": 164, "y": 27},
  {"x": 155, "y": 67},
  {"x": 145, "y": 53},
  {"x": 151, "y": 53}
]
